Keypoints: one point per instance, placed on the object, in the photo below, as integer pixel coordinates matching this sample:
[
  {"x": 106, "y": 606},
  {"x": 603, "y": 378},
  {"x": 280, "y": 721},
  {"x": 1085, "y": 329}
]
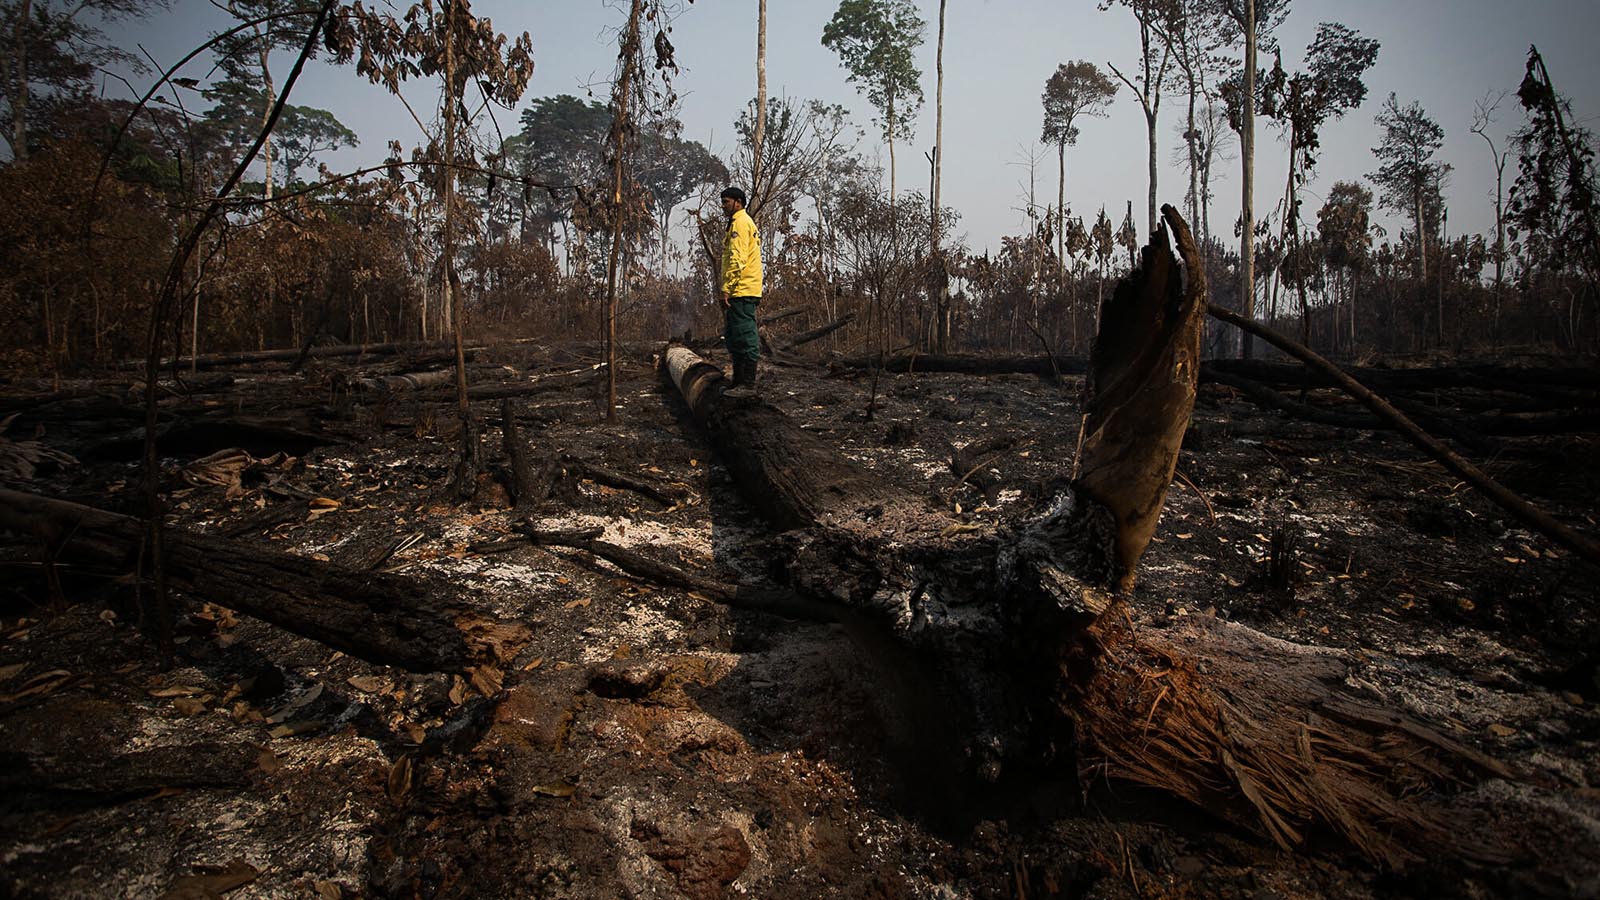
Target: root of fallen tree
[{"x": 1026, "y": 655}]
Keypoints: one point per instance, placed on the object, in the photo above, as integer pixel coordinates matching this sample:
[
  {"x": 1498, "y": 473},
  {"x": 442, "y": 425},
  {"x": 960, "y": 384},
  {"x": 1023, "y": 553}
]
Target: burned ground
[{"x": 630, "y": 739}]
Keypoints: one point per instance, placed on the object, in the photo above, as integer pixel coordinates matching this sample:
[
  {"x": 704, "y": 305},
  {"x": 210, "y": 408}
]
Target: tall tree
[
  {"x": 1553, "y": 200},
  {"x": 875, "y": 40},
  {"x": 563, "y": 143},
  {"x": 246, "y": 58},
  {"x": 1409, "y": 177},
  {"x": 1329, "y": 86},
  {"x": 1483, "y": 117},
  {"x": 303, "y": 132},
  {"x": 1195, "y": 36},
  {"x": 1076, "y": 89},
  {"x": 1155, "y": 59},
  {"x": 1209, "y": 140},
  {"x": 1343, "y": 225},
  {"x": 52, "y": 48},
  {"x": 622, "y": 133},
  {"x": 1249, "y": 23}
]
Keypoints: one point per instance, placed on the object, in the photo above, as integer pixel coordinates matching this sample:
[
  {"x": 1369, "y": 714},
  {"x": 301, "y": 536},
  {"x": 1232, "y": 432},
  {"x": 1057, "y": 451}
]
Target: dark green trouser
[{"x": 739, "y": 329}]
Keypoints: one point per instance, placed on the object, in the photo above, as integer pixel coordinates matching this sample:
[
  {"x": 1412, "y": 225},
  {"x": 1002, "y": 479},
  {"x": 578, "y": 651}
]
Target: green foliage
[
  {"x": 302, "y": 132},
  {"x": 1343, "y": 225},
  {"x": 1409, "y": 176},
  {"x": 240, "y": 56},
  {"x": 563, "y": 140},
  {"x": 672, "y": 168},
  {"x": 1076, "y": 88},
  {"x": 875, "y": 40}
]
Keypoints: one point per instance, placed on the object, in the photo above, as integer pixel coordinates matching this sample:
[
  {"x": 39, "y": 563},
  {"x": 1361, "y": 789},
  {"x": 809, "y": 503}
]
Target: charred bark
[
  {"x": 1017, "y": 640},
  {"x": 385, "y": 619},
  {"x": 816, "y": 334},
  {"x": 969, "y": 365}
]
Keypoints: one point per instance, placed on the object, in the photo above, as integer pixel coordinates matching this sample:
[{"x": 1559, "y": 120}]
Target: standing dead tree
[{"x": 1024, "y": 659}]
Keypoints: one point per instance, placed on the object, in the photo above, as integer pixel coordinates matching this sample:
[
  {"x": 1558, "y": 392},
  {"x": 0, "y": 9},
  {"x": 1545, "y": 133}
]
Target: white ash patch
[
  {"x": 643, "y": 627},
  {"x": 627, "y": 532}
]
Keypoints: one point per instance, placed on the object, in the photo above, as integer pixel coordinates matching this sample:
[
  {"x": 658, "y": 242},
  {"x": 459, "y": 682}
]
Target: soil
[{"x": 635, "y": 740}]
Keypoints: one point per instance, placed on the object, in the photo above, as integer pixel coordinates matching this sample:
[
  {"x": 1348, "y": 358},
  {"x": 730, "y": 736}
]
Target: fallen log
[
  {"x": 291, "y": 354},
  {"x": 816, "y": 334},
  {"x": 968, "y": 365},
  {"x": 1019, "y": 645},
  {"x": 1535, "y": 518},
  {"x": 384, "y": 619},
  {"x": 1520, "y": 379},
  {"x": 1455, "y": 428}
]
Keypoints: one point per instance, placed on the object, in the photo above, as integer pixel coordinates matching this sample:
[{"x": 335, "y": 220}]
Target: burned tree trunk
[
  {"x": 385, "y": 619},
  {"x": 1019, "y": 643},
  {"x": 817, "y": 334}
]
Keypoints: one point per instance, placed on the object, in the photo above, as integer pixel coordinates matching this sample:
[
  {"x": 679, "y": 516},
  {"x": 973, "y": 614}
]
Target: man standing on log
[{"x": 741, "y": 288}]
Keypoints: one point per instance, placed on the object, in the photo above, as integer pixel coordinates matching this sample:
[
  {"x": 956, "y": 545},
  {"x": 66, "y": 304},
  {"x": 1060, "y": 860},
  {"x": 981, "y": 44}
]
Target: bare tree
[{"x": 1483, "y": 116}]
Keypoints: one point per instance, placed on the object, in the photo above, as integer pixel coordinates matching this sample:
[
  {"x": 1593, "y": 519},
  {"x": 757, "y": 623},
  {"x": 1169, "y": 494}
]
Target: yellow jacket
[{"x": 741, "y": 257}]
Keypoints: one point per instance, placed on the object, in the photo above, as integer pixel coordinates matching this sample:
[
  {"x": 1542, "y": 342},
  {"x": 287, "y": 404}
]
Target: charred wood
[
  {"x": 815, "y": 334},
  {"x": 969, "y": 365},
  {"x": 769, "y": 600},
  {"x": 385, "y": 619},
  {"x": 667, "y": 495}
]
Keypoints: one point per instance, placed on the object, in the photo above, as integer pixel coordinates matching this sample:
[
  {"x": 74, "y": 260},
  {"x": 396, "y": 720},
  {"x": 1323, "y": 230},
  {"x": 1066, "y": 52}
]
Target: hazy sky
[{"x": 998, "y": 54}]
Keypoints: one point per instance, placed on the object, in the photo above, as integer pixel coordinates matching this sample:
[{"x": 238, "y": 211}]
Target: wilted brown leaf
[
  {"x": 487, "y": 679},
  {"x": 181, "y": 690},
  {"x": 559, "y": 789},
  {"x": 372, "y": 684},
  {"x": 268, "y": 762},
  {"x": 399, "y": 782},
  {"x": 213, "y": 881},
  {"x": 292, "y": 729}
]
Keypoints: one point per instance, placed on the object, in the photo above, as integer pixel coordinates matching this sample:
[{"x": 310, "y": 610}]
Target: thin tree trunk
[
  {"x": 940, "y": 301},
  {"x": 1190, "y": 136},
  {"x": 466, "y": 475},
  {"x": 266, "y": 79},
  {"x": 889, "y": 132},
  {"x": 630, "y": 48},
  {"x": 759, "y": 199},
  {"x": 1061, "y": 206},
  {"x": 159, "y": 311},
  {"x": 1150, "y": 125},
  {"x": 19, "y": 85},
  {"x": 1247, "y": 154}
]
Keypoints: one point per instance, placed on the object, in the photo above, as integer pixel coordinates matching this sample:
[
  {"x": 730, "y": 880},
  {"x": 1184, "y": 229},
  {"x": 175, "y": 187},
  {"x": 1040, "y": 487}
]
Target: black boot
[{"x": 750, "y": 373}]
